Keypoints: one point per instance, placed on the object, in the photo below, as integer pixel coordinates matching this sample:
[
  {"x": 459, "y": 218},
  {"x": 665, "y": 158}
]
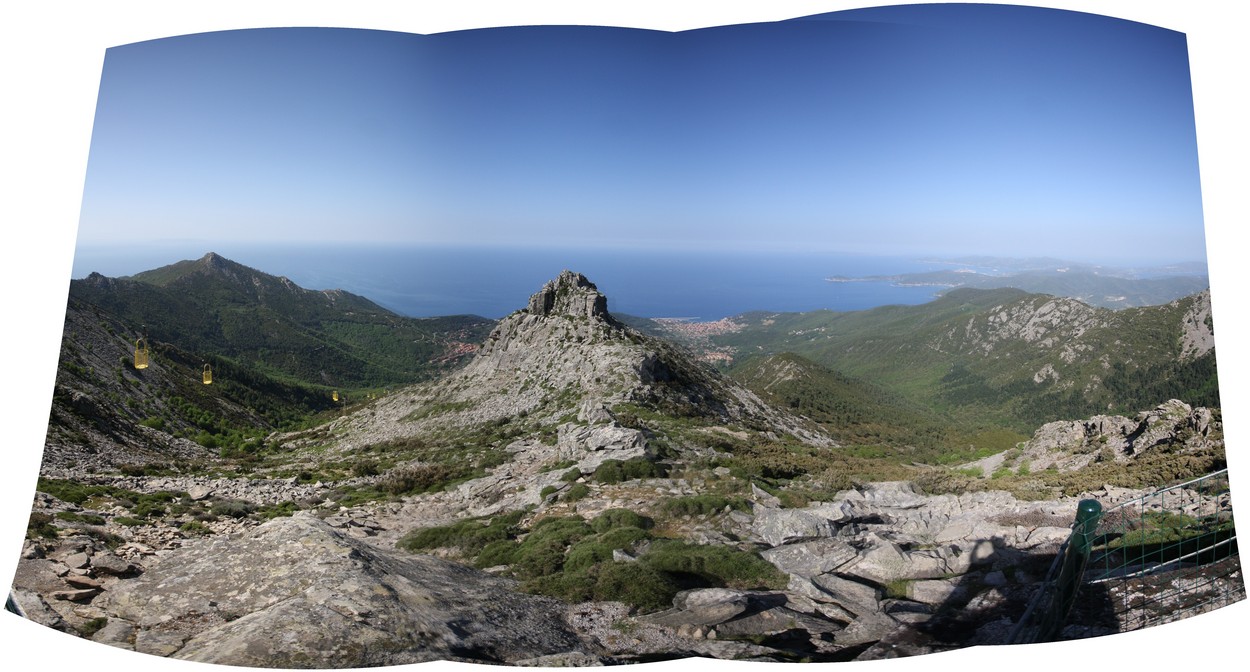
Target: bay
[{"x": 425, "y": 281}]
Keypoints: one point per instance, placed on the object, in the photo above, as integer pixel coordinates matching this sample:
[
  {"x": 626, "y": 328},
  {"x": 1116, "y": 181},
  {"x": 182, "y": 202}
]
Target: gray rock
[
  {"x": 116, "y": 632},
  {"x": 811, "y": 558},
  {"x": 704, "y": 606},
  {"x": 110, "y": 564},
  {"x": 79, "y": 595},
  {"x": 759, "y": 496},
  {"x": 935, "y": 591},
  {"x": 83, "y": 582},
  {"x": 77, "y": 560},
  {"x": 324, "y": 599},
  {"x": 782, "y": 526},
  {"x": 36, "y": 609}
]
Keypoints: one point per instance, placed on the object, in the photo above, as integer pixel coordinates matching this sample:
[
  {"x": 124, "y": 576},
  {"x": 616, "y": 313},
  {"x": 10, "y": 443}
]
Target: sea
[{"x": 427, "y": 281}]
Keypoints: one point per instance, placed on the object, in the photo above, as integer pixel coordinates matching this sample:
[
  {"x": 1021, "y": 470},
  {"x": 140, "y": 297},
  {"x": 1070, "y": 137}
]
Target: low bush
[
  {"x": 714, "y": 566},
  {"x": 232, "y": 508},
  {"x": 40, "y": 525},
  {"x": 702, "y": 505},
  {"x": 194, "y": 527},
  {"x": 616, "y": 471},
  {"x": 87, "y": 518},
  {"x": 418, "y": 478},
  {"x": 470, "y": 536},
  {"x": 614, "y": 518}
]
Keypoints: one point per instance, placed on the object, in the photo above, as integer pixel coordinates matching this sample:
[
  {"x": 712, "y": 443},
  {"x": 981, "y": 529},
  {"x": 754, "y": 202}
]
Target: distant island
[{"x": 1101, "y": 286}]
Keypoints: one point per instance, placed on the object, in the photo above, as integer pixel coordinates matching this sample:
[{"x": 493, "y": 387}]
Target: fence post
[{"x": 1088, "y": 513}]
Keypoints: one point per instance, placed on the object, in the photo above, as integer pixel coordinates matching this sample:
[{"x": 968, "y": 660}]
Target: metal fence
[
  {"x": 1168, "y": 555},
  {"x": 1145, "y": 561}
]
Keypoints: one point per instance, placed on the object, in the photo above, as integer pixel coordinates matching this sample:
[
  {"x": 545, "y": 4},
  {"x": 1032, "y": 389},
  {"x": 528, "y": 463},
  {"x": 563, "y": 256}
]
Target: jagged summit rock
[
  {"x": 570, "y": 294},
  {"x": 563, "y": 363}
]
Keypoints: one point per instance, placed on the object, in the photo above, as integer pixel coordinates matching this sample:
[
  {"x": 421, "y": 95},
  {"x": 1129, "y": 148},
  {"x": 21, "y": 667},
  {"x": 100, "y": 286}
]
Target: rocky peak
[
  {"x": 570, "y": 294},
  {"x": 213, "y": 260}
]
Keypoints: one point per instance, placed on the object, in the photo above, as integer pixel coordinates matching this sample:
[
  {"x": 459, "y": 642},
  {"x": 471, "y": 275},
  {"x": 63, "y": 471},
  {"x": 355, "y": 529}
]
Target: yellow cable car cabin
[
  {"x": 208, "y": 375},
  {"x": 335, "y": 396},
  {"x": 141, "y": 354}
]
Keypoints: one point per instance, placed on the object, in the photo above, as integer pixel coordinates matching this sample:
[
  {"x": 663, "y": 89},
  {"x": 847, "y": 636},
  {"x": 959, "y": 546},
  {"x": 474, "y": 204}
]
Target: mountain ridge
[{"x": 330, "y": 337}]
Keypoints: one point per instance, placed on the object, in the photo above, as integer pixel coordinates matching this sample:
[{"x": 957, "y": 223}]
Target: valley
[{"x": 566, "y": 486}]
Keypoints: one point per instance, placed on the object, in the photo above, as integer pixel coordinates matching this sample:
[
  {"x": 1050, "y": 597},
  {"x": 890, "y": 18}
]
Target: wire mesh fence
[
  {"x": 1145, "y": 561},
  {"x": 1169, "y": 554}
]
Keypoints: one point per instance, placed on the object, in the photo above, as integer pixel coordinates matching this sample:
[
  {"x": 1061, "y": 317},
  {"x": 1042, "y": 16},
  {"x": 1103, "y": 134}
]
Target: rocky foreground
[{"x": 878, "y": 572}]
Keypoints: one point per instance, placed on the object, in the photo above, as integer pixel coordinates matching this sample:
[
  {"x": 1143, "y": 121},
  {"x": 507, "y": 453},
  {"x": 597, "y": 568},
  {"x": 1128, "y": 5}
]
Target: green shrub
[
  {"x": 40, "y": 525},
  {"x": 614, "y": 518},
  {"x": 550, "y": 489},
  {"x": 194, "y": 527},
  {"x": 609, "y": 471},
  {"x": 566, "y": 529},
  {"x": 578, "y": 491},
  {"x": 702, "y": 505},
  {"x": 571, "y": 475},
  {"x": 283, "y": 509},
  {"x": 154, "y": 422},
  {"x": 131, "y": 522},
  {"x": 365, "y": 468},
  {"x": 502, "y": 552},
  {"x": 471, "y": 535},
  {"x": 717, "y": 566},
  {"x": 635, "y": 584},
  {"x": 622, "y": 537},
  {"x": 616, "y": 471},
  {"x": 232, "y": 508},
  {"x": 540, "y": 558},
  {"x": 585, "y": 554}
]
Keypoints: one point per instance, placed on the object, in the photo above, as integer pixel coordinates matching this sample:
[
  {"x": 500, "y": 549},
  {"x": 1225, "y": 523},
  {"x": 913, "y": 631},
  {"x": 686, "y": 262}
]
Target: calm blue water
[{"x": 429, "y": 281}]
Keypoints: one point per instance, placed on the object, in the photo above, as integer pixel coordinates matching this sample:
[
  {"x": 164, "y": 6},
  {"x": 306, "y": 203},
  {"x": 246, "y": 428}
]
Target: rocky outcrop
[
  {"x": 1197, "y": 331},
  {"x": 565, "y": 354},
  {"x": 1069, "y": 445},
  {"x": 569, "y": 294},
  {"x": 324, "y": 599},
  {"x": 1045, "y": 322}
]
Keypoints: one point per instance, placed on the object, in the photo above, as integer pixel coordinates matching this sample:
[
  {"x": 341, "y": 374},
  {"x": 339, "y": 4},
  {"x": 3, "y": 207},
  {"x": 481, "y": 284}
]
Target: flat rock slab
[
  {"x": 296, "y": 593},
  {"x": 811, "y": 558}
]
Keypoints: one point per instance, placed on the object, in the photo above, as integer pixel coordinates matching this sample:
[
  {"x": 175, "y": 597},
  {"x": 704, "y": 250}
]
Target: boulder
[
  {"x": 776, "y": 527},
  {"x": 110, "y": 564},
  {"x": 703, "y": 606},
  {"x": 324, "y": 599},
  {"x": 811, "y": 558}
]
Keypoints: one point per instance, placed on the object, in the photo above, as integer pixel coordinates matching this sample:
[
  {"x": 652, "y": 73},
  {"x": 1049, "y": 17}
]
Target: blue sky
[{"x": 914, "y": 129}]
